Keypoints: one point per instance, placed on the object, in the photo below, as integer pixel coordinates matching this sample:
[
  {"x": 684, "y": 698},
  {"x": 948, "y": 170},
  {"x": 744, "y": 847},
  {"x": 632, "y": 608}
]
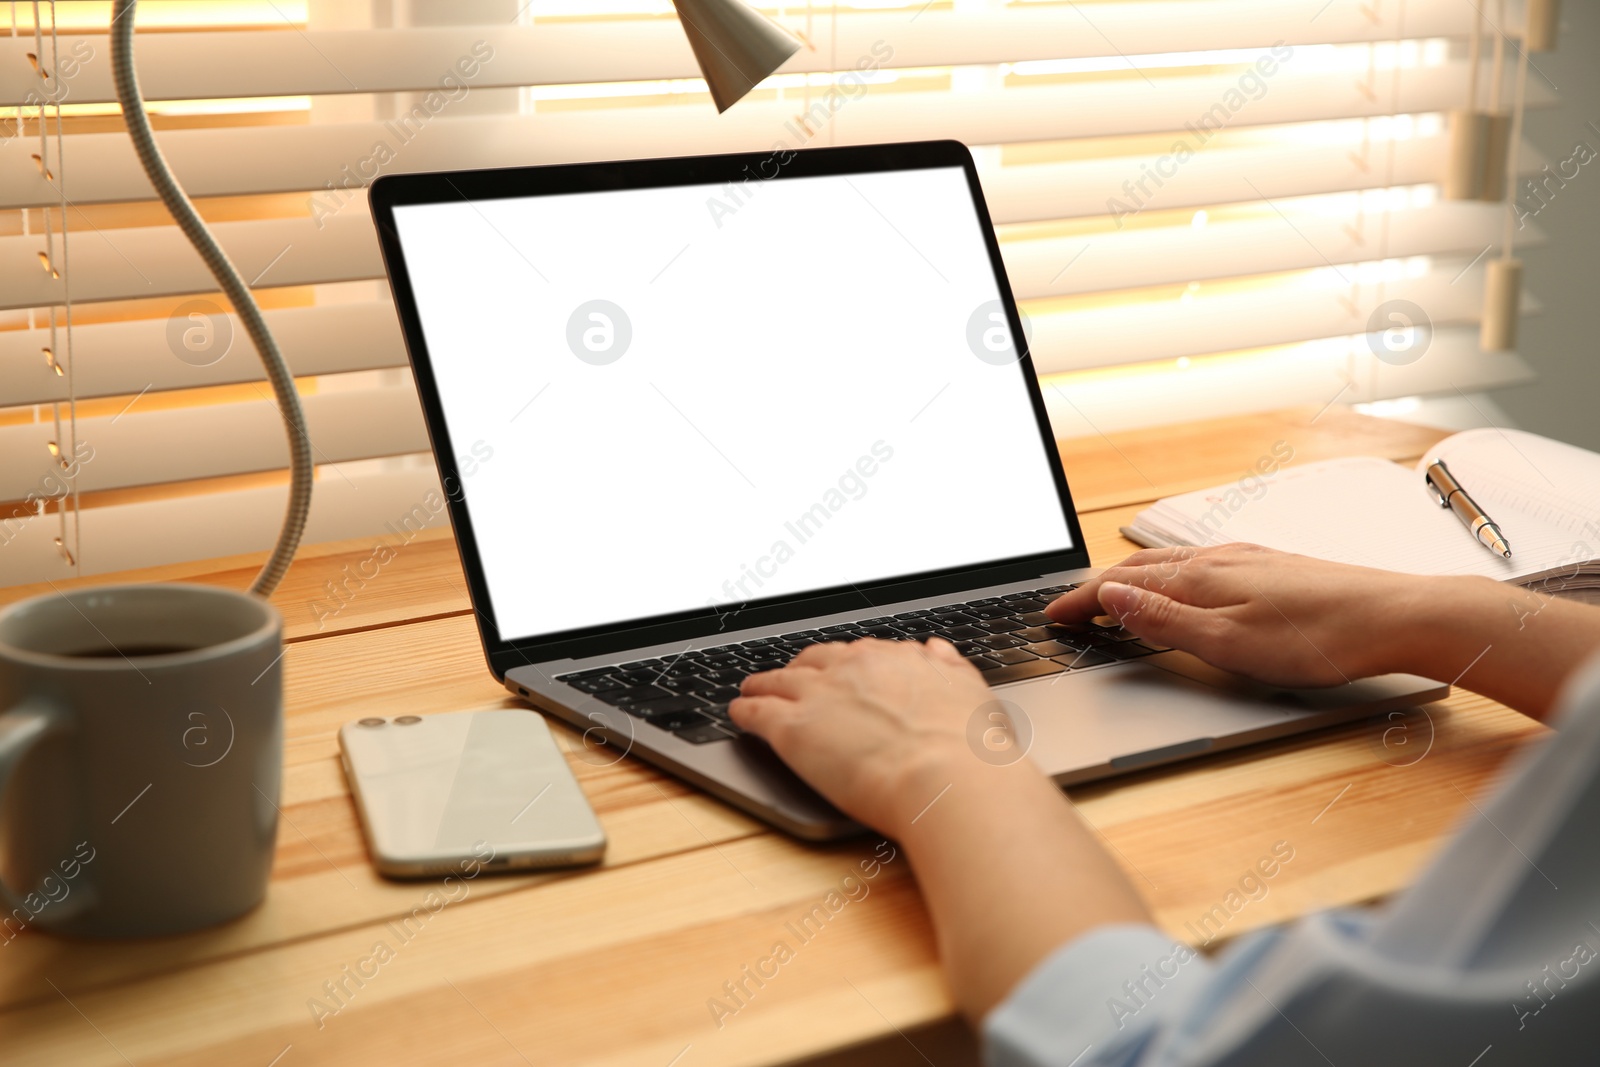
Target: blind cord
[{"x": 233, "y": 287}]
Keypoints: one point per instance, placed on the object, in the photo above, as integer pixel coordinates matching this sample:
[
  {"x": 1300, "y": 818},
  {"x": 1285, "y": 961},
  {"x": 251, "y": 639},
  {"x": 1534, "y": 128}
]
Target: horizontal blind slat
[
  {"x": 1096, "y": 402},
  {"x": 124, "y": 536},
  {"x": 179, "y": 444},
  {"x": 125, "y": 358},
  {"x": 1085, "y": 188},
  {"x": 1299, "y": 308},
  {"x": 329, "y": 160},
  {"x": 1298, "y": 238},
  {"x": 149, "y": 261}
]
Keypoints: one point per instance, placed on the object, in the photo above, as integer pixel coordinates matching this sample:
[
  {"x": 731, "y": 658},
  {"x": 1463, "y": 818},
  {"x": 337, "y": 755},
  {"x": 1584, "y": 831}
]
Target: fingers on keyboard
[{"x": 1007, "y": 637}]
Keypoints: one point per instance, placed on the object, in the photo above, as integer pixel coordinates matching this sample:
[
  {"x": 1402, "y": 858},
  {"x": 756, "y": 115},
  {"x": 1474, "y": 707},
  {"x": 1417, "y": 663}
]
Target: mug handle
[{"x": 21, "y": 728}]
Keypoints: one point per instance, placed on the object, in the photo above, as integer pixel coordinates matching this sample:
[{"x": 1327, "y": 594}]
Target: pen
[{"x": 1450, "y": 495}]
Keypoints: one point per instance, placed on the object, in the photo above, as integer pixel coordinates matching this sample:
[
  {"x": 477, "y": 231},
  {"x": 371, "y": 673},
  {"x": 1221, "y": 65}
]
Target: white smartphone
[{"x": 438, "y": 793}]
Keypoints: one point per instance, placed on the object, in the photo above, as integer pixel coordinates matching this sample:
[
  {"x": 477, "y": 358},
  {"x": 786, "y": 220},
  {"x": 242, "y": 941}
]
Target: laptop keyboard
[{"x": 1008, "y": 638}]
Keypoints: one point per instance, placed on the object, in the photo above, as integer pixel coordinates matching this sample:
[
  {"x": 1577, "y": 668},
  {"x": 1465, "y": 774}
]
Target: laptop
[{"x": 693, "y": 415}]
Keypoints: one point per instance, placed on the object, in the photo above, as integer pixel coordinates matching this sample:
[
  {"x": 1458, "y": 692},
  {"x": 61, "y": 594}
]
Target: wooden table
[{"x": 616, "y": 965}]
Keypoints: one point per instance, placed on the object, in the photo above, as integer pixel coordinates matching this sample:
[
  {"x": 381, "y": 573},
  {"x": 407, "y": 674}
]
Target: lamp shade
[{"x": 735, "y": 46}]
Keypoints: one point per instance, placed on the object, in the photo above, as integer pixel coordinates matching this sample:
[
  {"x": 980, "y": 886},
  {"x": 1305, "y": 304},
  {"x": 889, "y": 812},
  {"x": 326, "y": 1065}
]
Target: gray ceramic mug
[{"x": 141, "y": 746}]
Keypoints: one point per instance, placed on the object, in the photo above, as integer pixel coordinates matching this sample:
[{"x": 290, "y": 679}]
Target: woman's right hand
[{"x": 1280, "y": 618}]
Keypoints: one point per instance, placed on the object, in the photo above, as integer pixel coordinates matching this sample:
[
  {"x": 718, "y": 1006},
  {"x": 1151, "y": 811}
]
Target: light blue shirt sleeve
[
  {"x": 1491, "y": 958},
  {"x": 1101, "y": 999}
]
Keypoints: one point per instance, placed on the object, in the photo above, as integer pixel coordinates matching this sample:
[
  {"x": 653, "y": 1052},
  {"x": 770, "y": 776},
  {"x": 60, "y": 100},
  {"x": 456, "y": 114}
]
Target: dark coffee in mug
[{"x": 128, "y": 651}]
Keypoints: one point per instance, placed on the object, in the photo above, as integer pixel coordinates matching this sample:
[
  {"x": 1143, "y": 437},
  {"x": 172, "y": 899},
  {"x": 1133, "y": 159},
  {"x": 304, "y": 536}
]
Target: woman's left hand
[{"x": 870, "y": 724}]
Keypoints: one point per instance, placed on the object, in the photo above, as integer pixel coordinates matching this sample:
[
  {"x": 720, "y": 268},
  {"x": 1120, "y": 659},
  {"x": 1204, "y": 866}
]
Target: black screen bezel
[{"x": 391, "y": 191}]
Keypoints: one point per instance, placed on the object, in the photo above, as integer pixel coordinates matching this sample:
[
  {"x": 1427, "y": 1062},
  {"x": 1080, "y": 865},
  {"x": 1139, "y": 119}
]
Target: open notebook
[{"x": 1545, "y": 495}]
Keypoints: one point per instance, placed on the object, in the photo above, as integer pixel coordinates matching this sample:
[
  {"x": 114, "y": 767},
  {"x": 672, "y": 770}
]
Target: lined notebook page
[
  {"x": 1365, "y": 511},
  {"x": 1519, "y": 472}
]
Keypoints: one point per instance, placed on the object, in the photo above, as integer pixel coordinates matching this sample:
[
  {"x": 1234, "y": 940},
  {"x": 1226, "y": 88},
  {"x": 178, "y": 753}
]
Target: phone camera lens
[
  {"x": 371, "y": 722},
  {"x": 408, "y": 720}
]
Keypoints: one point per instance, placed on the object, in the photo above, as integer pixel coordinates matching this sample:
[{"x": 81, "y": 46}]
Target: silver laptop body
[{"x": 692, "y": 415}]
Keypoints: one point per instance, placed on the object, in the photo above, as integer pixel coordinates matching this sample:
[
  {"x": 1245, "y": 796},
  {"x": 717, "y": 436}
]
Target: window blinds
[{"x": 1205, "y": 207}]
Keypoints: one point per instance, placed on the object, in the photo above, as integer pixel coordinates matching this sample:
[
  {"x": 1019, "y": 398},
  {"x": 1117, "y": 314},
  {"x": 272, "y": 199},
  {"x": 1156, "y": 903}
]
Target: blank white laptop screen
[{"x": 691, "y": 396}]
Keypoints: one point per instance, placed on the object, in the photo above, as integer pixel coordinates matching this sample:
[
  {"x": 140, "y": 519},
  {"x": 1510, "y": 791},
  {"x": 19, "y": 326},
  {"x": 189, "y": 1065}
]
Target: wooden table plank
[
  {"x": 1138, "y": 466},
  {"x": 675, "y": 930},
  {"x": 1361, "y": 816},
  {"x": 324, "y": 592}
]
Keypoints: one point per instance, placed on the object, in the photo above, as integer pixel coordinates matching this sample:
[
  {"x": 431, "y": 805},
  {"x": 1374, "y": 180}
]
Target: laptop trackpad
[{"x": 1149, "y": 711}]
